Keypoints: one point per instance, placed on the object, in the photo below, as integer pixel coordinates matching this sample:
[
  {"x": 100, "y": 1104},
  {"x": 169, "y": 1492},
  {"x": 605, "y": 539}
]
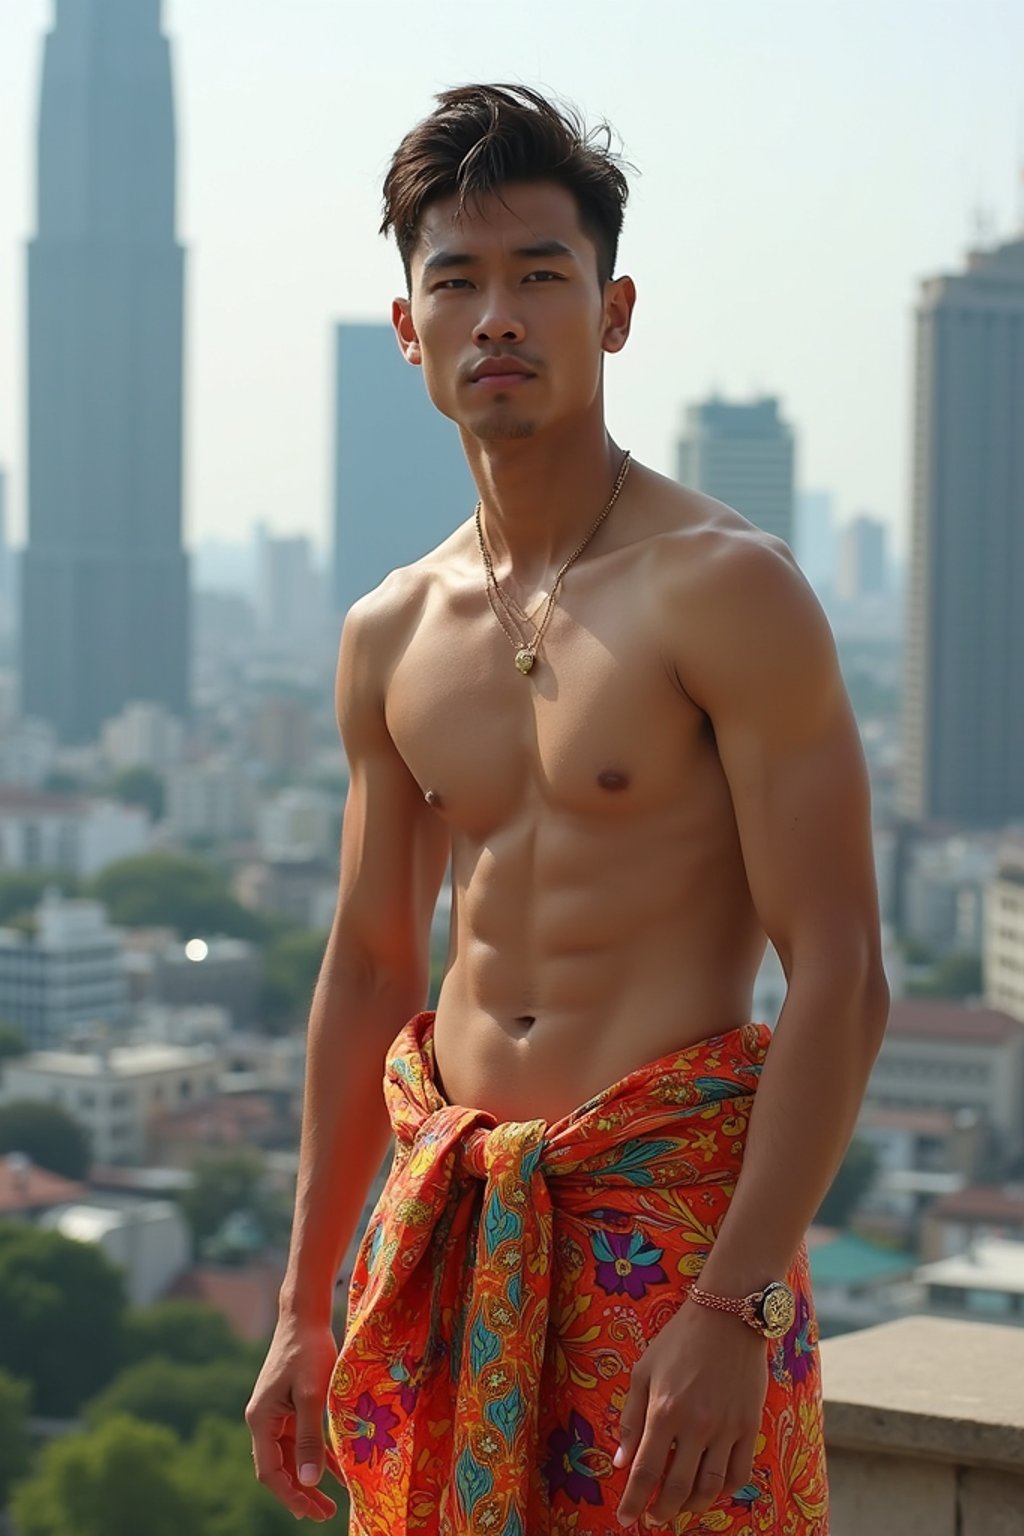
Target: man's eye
[
  {"x": 448, "y": 281},
  {"x": 543, "y": 274}
]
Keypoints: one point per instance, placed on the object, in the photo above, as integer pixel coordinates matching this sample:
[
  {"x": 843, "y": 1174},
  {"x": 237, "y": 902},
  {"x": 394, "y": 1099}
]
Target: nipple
[
  {"x": 613, "y": 778},
  {"x": 433, "y": 798}
]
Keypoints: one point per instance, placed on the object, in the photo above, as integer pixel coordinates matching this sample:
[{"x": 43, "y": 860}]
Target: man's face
[{"x": 513, "y": 279}]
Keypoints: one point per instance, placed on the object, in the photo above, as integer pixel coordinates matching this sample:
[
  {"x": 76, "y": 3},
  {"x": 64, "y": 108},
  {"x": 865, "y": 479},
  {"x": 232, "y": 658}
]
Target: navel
[{"x": 613, "y": 778}]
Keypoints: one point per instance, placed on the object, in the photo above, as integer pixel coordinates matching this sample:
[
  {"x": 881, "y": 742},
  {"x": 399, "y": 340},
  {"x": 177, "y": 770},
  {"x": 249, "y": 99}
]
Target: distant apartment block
[
  {"x": 28, "y": 752},
  {"x": 299, "y": 823},
  {"x": 941, "y": 1054},
  {"x": 943, "y": 898},
  {"x": 742, "y": 454},
  {"x": 1003, "y": 957},
  {"x": 863, "y": 560},
  {"x": 113, "y": 1094},
  {"x": 143, "y": 735},
  {"x": 214, "y": 799},
  {"x": 65, "y": 978},
  {"x": 291, "y": 593},
  {"x": 68, "y": 832}
]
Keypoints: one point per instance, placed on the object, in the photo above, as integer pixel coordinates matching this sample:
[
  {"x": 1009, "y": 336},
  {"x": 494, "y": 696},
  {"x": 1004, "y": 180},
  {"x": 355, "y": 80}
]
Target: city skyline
[{"x": 778, "y": 159}]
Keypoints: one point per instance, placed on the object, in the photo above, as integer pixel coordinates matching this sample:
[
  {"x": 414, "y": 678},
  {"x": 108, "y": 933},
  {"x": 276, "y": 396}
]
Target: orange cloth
[{"x": 510, "y": 1276}]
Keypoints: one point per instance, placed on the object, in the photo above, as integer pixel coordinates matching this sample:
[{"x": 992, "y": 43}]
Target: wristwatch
[{"x": 771, "y": 1311}]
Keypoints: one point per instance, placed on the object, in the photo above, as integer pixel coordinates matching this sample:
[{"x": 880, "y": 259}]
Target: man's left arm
[
  {"x": 765, "y": 672},
  {"x": 791, "y": 752}
]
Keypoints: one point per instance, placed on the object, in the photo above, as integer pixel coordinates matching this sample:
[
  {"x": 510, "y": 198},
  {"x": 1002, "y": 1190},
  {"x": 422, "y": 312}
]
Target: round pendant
[{"x": 524, "y": 659}]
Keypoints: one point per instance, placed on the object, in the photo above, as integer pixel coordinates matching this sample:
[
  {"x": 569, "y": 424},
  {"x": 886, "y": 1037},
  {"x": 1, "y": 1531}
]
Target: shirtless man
[{"x": 677, "y": 776}]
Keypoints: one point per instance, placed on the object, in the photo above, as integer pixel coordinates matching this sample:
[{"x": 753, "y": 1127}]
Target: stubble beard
[{"x": 504, "y": 431}]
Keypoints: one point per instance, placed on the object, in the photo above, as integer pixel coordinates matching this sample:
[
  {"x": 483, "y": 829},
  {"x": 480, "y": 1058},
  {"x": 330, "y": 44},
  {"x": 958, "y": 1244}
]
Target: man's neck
[{"x": 541, "y": 496}]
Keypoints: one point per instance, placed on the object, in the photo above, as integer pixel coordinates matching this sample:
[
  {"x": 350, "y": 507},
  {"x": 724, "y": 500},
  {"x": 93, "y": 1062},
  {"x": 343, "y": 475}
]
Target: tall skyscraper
[
  {"x": 105, "y": 585},
  {"x": 963, "y": 753},
  {"x": 862, "y": 559},
  {"x": 401, "y": 483},
  {"x": 742, "y": 455}
]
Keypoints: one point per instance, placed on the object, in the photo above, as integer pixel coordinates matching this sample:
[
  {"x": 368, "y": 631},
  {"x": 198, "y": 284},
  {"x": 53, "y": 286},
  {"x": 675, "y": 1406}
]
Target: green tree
[
  {"x": 186, "y": 893},
  {"x": 22, "y": 889},
  {"x": 61, "y": 1311},
  {"x": 175, "y": 1395},
  {"x": 292, "y": 964},
  {"x": 955, "y": 976},
  {"x": 189, "y": 1332},
  {"x": 15, "y": 1450},
  {"x": 226, "y": 1183},
  {"x": 121, "y": 1479},
  {"x": 854, "y": 1178},
  {"x": 59, "y": 782},
  {"x": 12, "y": 1042},
  {"x": 47, "y": 1134},
  {"x": 140, "y": 786}
]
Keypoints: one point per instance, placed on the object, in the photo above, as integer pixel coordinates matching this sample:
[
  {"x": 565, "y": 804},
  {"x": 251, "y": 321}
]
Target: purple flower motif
[
  {"x": 626, "y": 1262},
  {"x": 566, "y": 1467},
  {"x": 375, "y": 1420},
  {"x": 797, "y": 1345},
  {"x": 407, "y": 1373}
]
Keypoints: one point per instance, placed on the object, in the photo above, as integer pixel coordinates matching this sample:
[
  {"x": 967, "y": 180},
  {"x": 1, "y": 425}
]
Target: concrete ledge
[
  {"x": 928, "y": 1387},
  {"x": 924, "y": 1429}
]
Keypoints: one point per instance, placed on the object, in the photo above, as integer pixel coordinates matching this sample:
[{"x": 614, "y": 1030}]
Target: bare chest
[{"x": 599, "y": 727}]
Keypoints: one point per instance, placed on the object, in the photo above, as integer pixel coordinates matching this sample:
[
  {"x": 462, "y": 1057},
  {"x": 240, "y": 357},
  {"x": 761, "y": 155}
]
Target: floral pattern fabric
[{"x": 510, "y": 1276}]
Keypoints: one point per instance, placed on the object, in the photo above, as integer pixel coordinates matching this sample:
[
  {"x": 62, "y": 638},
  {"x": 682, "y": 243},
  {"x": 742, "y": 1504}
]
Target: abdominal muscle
[{"x": 557, "y": 988}]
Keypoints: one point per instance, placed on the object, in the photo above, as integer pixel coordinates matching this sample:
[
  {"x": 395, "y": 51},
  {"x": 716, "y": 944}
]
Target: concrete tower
[{"x": 105, "y": 585}]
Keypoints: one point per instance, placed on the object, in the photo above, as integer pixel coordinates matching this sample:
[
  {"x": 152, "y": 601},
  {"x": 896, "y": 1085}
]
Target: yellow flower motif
[{"x": 421, "y": 1159}]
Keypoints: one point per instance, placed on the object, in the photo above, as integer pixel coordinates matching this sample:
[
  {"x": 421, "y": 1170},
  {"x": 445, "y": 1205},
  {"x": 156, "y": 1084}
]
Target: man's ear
[
  {"x": 620, "y": 297},
  {"x": 405, "y": 332}
]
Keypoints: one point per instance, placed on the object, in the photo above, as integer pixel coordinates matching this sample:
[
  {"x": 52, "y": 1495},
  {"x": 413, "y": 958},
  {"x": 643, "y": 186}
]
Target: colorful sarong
[{"x": 510, "y": 1276}]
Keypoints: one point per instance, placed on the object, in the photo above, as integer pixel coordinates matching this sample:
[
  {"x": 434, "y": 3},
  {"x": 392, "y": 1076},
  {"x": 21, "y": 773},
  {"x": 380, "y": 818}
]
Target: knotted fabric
[{"x": 511, "y": 1274}]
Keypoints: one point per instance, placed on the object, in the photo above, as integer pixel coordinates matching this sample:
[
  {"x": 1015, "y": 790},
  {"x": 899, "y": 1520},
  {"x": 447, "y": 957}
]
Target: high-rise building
[
  {"x": 963, "y": 716},
  {"x": 6, "y": 562},
  {"x": 290, "y": 592},
  {"x": 105, "y": 584},
  {"x": 401, "y": 482},
  {"x": 816, "y": 545},
  {"x": 862, "y": 559},
  {"x": 742, "y": 455},
  {"x": 67, "y": 974}
]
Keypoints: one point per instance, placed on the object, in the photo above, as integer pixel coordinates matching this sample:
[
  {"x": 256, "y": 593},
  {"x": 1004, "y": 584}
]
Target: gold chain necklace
[{"x": 526, "y": 654}]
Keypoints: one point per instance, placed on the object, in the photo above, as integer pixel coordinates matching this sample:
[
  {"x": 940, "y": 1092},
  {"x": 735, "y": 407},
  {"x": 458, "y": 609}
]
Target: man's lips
[
  {"x": 501, "y": 369},
  {"x": 496, "y": 381}
]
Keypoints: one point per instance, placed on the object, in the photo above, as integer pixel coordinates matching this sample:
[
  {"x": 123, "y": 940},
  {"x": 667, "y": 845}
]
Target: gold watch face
[{"x": 778, "y": 1309}]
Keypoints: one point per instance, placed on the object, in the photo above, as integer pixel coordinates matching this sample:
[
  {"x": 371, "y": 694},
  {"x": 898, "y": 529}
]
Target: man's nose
[{"x": 499, "y": 323}]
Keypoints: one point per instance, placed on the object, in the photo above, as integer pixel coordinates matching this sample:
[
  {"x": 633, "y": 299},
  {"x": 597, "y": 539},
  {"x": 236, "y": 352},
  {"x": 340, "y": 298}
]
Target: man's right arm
[{"x": 375, "y": 971}]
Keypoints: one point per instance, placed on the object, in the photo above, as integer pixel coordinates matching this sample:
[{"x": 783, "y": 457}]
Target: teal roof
[{"x": 851, "y": 1260}]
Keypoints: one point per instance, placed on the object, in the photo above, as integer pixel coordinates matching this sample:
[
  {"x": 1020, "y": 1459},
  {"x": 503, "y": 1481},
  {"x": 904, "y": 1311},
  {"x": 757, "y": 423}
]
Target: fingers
[
  {"x": 694, "y": 1480},
  {"x": 647, "y": 1463},
  {"x": 309, "y": 1436},
  {"x": 273, "y": 1454}
]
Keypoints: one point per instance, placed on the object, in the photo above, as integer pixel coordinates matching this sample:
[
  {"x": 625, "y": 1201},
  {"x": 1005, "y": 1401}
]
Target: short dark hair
[{"x": 482, "y": 136}]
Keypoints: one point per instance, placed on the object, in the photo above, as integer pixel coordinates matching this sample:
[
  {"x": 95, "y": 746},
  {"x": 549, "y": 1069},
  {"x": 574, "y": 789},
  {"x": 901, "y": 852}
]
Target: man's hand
[
  {"x": 286, "y": 1417},
  {"x": 701, "y": 1382}
]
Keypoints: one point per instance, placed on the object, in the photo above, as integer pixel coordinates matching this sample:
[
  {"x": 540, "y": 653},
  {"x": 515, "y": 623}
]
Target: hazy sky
[{"x": 804, "y": 164}]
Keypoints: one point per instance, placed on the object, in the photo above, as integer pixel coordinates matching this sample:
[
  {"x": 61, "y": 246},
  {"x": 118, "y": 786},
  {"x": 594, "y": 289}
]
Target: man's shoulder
[
  {"x": 717, "y": 553},
  {"x": 734, "y": 600},
  {"x": 401, "y": 596}
]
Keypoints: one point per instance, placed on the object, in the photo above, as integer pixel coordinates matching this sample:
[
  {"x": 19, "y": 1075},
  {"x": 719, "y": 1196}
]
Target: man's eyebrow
[{"x": 446, "y": 260}]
